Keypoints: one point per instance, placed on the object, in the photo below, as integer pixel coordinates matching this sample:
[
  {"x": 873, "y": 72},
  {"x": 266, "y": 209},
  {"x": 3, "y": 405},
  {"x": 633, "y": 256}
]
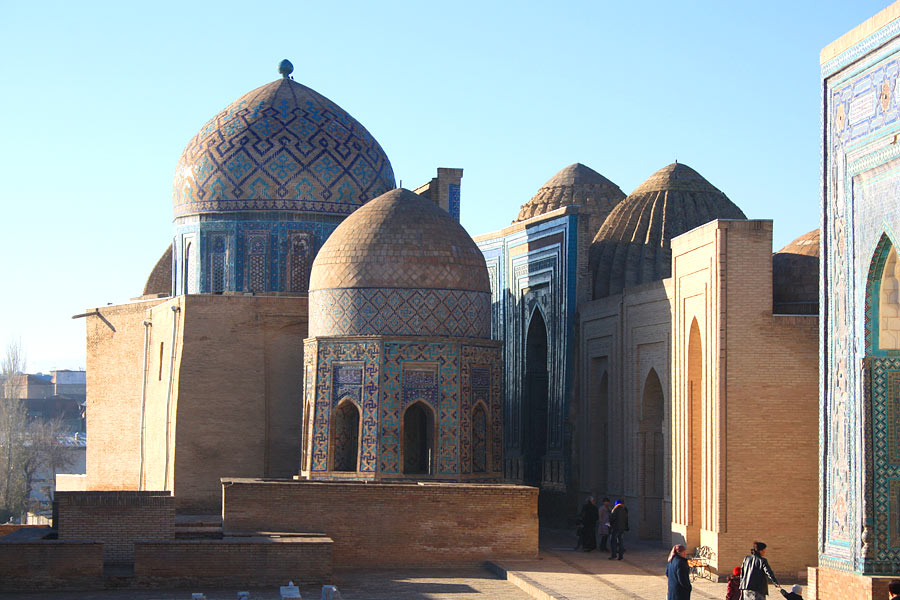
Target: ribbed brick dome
[
  {"x": 575, "y": 184},
  {"x": 634, "y": 244},
  {"x": 281, "y": 147},
  {"x": 795, "y": 276},
  {"x": 400, "y": 265}
]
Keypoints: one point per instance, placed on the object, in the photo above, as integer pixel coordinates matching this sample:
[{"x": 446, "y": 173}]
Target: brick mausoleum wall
[
  {"x": 115, "y": 346},
  {"x": 117, "y": 519},
  {"x": 50, "y": 564},
  {"x": 831, "y": 584},
  {"x": 387, "y": 524},
  {"x": 251, "y": 561}
]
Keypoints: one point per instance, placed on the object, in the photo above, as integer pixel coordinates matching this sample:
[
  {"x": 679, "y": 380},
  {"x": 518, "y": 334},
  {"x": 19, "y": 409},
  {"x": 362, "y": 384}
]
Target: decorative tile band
[{"x": 389, "y": 311}]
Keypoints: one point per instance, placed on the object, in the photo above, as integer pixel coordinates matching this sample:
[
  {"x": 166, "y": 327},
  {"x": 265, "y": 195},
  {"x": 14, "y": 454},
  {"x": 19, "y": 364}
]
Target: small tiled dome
[
  {"x": 400, "y": 265},
  {"x": 281, "y": 147},
  {"x": 575, "y": 184},
  {"x": 795, "y": 277},
  {"x": 634, "y": 244}
]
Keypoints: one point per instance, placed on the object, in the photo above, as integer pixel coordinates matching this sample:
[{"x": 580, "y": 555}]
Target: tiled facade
[{"x": 859, "y": 501}]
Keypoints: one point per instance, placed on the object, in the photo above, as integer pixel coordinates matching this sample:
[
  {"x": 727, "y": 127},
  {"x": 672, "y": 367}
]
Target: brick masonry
[
  {"x": 50, "y": 564},
  {"x": 116, "y": 519},
  {"x": 258, "y": 561},
  {"x": 382, "y": 525}
]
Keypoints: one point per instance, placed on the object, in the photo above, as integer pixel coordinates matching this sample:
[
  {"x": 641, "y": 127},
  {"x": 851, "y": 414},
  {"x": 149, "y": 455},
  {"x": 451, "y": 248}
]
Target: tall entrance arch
[
  {"x": 535, "y": 395},
  {"x": 652, "y": 457}
]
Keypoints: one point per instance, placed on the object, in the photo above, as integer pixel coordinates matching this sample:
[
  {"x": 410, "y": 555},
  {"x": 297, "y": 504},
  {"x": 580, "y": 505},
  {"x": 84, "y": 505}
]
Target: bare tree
[
  {"x": 13, "y": 420},
  {"x": 28, "y": 447}
]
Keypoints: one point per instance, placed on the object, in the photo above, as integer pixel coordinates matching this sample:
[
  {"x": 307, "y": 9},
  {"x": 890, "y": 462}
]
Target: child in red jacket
[{"x": 733, "y": 592}]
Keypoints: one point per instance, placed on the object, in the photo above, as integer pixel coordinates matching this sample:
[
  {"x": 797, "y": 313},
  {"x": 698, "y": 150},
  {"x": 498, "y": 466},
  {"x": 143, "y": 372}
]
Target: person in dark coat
[
  {"x": 794, "y": 594},
  {"x": 678, "y": 574},
  {"x": 589, "y": 516},
  {"x": 894, "y": 589},
  {"x": 754, "y": 572},
  {"x": 603, "y": 528},
  {"x": 618, "y": 525}
]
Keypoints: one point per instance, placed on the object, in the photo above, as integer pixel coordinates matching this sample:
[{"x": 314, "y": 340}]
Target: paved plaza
[{"x": 559, "y": 573}]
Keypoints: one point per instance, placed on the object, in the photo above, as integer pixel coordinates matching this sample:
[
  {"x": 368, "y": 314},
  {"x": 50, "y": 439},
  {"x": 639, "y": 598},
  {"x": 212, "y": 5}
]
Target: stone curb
[{"x": 523, "y": 582}]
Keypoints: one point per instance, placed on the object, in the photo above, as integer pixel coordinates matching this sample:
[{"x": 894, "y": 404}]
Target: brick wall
[
  {"x": 831, "y": 584},
  {"x": 251, "y": 561},
  {"x": 759, "y": 384},
  {"x": 115, "y": 344},
  {"x": 375, "y": 525},
  {"x": 117, "y": 519},
  {"x": 236, "y": 390},
  {"x": 50, "y": 564},
  {"x": 7, "y": 528}
]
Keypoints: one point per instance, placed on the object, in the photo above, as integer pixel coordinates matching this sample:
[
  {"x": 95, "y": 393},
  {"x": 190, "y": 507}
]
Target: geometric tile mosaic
[
  {"x": 393, "y": 311},
  {"x": 281, "y": 147}
]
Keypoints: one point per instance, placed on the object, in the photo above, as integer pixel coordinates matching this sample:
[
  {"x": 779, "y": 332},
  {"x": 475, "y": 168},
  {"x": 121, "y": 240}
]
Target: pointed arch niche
[
  {"x": 418, "y": 439},
  {"x": 652, "y": 456},
  {"x": 481, "y": 442},
  {"x": 696, "y": 434},
  {"x": 345, "y": 436},
  {"x": 535, "y": 395}
]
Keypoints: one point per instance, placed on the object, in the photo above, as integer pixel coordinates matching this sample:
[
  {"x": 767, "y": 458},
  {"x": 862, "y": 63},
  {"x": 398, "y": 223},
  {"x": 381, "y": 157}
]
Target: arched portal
[
  {"x": 535, "y": 394},
  {"x": 652, "y": 454},
  {"x": 480, "y": 442},
  {"x": 186, "y": 275},
  {"x": 596, "y": 430},
  {"x": 345, "y": 447},
  {"x": 418, "y": 439},
  {"x": 695, "y": 434}
]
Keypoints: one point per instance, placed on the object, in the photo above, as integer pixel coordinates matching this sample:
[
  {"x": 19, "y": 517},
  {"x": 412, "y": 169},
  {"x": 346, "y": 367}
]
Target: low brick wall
[
  {"x": 831, "y": 584},
  {"x": 50, "y": 564},
  {"x": 8, "y": 528},
  {"x": 117, "y": 519},
  {"x": 388, "y": 524},
  {"x": 239, "y": 562}
]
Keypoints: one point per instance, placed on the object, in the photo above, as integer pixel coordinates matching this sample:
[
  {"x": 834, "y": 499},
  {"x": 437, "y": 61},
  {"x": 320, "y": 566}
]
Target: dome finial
[{"x": 285, "y": 68}]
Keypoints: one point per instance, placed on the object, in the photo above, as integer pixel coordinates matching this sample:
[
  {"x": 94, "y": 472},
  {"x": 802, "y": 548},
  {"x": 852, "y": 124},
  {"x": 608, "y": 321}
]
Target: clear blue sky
[{"x": 99, "y": 99}]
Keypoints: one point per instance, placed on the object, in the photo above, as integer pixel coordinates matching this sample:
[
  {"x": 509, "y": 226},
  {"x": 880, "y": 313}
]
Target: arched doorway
[
  {"x": 418, "y": 439},
  {"x": 345, "y": 447},
  {"x": 596, "y": 430},
  {"x": 696, "y": 435},
  {"x": 480, "y": 442},
  {"x": 535, "y": 391},
  {"x": 652, "y": 453}
]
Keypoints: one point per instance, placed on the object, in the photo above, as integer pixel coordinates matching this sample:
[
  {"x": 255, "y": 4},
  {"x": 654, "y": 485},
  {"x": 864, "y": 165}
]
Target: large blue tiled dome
[{"x": 281, "y": 147}]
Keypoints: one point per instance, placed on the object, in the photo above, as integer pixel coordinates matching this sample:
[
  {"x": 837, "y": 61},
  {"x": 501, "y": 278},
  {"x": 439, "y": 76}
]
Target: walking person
[
  {"x": 754, "y": 571},
  {"x": 733, "y": 591},
  {"x": 603, "y": 528},
  {"x": 588, "y": 517},
  {"x": 679, "y": 574},
  {"x": 618, "y": 525}
]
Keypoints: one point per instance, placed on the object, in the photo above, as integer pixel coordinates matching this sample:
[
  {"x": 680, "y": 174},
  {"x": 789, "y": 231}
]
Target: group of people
[
  {"x": 610, "y": 523},
  {"x": 747, "y": 582}
]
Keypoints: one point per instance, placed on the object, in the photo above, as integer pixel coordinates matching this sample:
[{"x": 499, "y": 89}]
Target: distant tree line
[{"x": 28, "y": 446}]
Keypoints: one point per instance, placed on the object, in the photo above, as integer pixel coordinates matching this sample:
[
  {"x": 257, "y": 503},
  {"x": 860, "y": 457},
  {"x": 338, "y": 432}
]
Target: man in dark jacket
[
  {"x": 588, "y": 517},
  {"x": 618, "y": 525},
  {"x": 754, "y": 572}
]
